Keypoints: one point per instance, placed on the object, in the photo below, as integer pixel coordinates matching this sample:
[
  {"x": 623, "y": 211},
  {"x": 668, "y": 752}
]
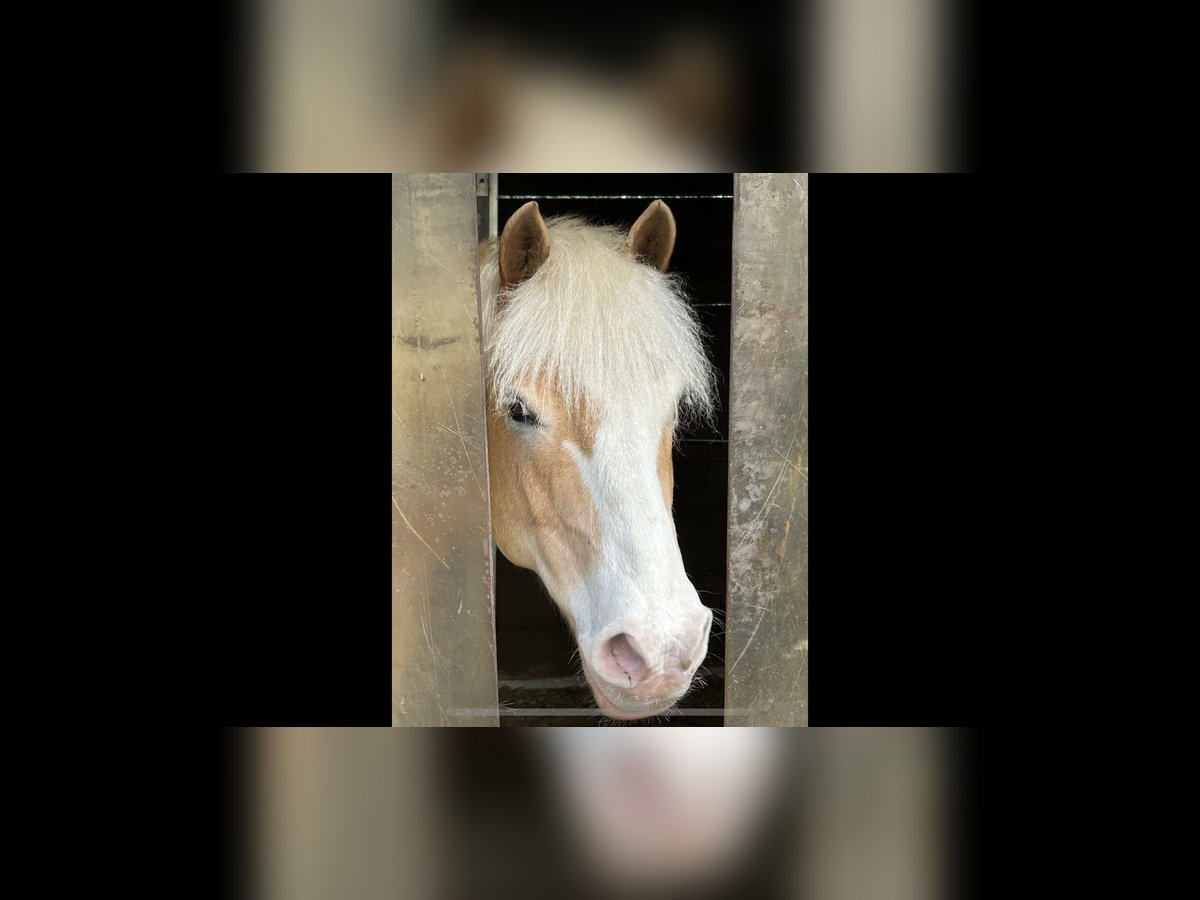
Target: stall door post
[
  {"x": 766, "y": 652},
  {"x": 443, "y": 626}
]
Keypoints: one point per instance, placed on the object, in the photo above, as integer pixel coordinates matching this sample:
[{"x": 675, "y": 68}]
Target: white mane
[{"x": 600, "y": 322}]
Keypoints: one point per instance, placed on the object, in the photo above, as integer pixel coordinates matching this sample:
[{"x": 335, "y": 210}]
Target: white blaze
[{"x": 640, "y": 585}]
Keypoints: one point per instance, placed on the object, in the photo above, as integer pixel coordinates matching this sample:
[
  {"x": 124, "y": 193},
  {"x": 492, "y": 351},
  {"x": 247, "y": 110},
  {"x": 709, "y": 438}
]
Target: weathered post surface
[
  {"x": 443, "y": 626},
  {"x": 766, "y": 655}
]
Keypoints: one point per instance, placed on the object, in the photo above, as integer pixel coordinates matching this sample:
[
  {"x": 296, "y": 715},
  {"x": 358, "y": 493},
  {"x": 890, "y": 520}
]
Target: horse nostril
[{"x": 621, "y": 661}]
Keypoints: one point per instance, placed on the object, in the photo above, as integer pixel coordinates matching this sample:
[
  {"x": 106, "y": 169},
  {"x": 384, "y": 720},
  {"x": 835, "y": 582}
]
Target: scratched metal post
[
  {"x": 766, "y": 644},
  {"x": 443, "y": 626}
]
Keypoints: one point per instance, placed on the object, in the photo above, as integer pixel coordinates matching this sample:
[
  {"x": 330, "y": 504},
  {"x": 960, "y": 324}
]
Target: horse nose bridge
[
  {"x": 634, "y": 503},
  {"x": 644, "y": 537},
  {"x": 628, "y": 479}
]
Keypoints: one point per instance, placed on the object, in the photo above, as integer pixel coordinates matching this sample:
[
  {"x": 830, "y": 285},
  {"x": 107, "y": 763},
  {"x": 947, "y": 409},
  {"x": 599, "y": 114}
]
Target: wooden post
[
  {"x": 443, "y": 624},
  {"x": 766, "y": 651}
]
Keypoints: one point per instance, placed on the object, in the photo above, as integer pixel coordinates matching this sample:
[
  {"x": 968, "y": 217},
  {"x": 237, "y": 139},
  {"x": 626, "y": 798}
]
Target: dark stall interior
[{"x": 535, "y": 648}]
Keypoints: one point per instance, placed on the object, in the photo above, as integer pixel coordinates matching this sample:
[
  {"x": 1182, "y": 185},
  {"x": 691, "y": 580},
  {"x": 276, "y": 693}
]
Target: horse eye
[{"x": 519, "y": 412}]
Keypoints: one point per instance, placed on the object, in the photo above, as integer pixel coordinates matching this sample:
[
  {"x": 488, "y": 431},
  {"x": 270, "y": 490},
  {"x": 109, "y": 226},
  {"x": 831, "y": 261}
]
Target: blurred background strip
[
  {"x": 821, "y": 85},
  {"x": 638, "y": 814}
]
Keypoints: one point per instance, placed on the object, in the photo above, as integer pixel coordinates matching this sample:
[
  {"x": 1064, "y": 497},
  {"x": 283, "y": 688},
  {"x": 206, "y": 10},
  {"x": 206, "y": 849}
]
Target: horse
[{"x": 594, "y": 359}]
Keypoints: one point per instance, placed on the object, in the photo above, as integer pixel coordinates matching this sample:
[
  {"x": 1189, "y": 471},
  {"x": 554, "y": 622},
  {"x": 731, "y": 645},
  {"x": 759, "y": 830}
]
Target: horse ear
[
  {"x": 524, "y": 244},
  {"x": 652, "y": 236}
]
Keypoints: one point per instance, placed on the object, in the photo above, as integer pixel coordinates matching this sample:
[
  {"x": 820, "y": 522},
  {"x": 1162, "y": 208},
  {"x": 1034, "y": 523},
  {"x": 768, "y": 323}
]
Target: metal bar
[
  {"x": 493, "y": 205},
  {"x": 585, "y": 713},
  {"x": 443, "y": 632},
  {"x": 766, "y": 648},
  {"x": 616, "y": 196}
]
